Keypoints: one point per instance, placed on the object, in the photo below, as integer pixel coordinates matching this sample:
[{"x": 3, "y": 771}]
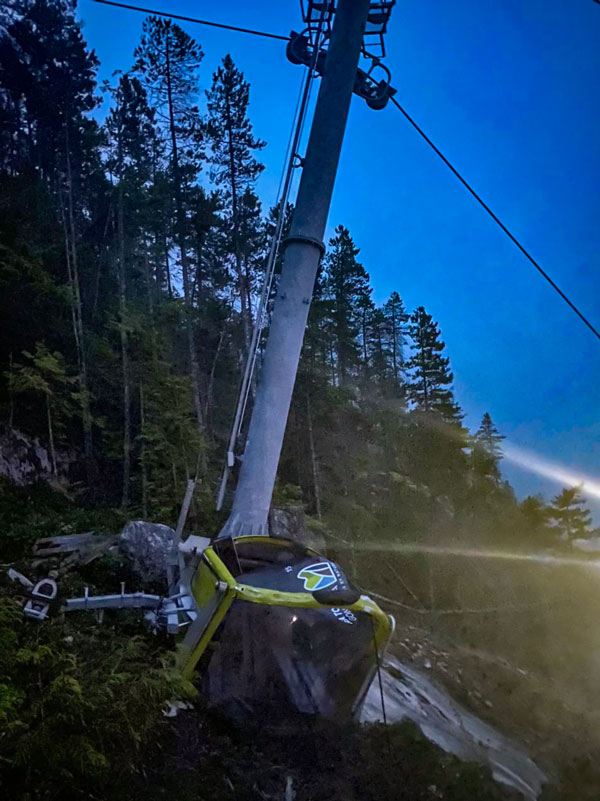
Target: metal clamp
[
  {"x": 311, "y": 240},
  {"x": 38, "y": 606}
]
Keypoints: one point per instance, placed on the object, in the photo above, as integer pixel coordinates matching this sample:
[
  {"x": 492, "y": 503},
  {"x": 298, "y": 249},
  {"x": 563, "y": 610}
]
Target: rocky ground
[{"x": 556, "y": 730}]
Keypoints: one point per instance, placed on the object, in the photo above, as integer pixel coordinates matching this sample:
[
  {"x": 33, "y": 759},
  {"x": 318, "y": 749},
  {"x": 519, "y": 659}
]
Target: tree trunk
[
  {"x": 194, "y": 367},
  {"x": 364, "y": 342},
  {"x": 313, "y": 459},
  {"x": 211, "y": 380},
  {"x": 124, "y": 347},
  {"x": 394, "y": 343},
  {"x": 334, "y": 376},
  {"x": 167, "y": 267},
  {"x": 77, "y": 313},
  {"x": 143, "y": 455},
  {"x": 149, "y": 283},
  {"x": 248, "y": 290},
  {"x": 243, "y": 289},
  {"x": 51, "y": 436},
  {"x": 424, "y": 383},
  {"x": 198, "y": 278},
  {"x": 11, "y": 394},
  {"x": 380, "y": 355}
]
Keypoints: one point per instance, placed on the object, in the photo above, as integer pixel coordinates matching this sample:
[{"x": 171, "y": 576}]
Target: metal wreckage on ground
[{"x": 268, "y": 624}]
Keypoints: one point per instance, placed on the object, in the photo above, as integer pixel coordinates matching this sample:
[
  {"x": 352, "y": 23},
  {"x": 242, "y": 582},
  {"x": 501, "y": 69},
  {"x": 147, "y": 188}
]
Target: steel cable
[
  {"x": 496, "y": 219},
  {"x": 252, "y": 31}
]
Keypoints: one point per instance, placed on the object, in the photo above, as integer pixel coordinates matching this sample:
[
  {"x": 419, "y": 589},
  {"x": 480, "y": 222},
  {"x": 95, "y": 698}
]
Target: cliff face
[{"x": 23, "y": 460}]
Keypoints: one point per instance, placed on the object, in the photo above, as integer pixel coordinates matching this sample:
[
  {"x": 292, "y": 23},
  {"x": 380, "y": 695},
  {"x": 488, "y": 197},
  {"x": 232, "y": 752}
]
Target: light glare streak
[
  {"x": 474, "y": 553},
  {"x": 556, "y": 472}
]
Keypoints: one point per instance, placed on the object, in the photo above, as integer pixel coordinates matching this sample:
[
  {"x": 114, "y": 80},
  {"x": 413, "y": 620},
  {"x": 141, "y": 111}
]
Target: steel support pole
[{"x": 304, "y": 247}]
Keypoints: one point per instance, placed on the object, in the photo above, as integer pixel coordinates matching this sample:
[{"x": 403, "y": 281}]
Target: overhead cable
[
  {"x": 494, "y": 217},
  {"x": 415, "y": 125},
  {"x": 193, "y": 19}
]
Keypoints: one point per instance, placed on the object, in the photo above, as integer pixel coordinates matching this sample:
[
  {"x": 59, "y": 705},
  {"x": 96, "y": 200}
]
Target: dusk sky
[{"x": 509, "y": 92}]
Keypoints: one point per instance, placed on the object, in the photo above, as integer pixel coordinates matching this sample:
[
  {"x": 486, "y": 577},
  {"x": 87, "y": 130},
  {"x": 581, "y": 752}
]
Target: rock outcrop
[
  {"x": 290, "y": 523},
  {"x": 23, "y": 460}
]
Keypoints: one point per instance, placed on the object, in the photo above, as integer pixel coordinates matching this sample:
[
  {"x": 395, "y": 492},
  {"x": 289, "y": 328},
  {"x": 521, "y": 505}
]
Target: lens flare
[
  {"x": 556, "y": 472},
  {"x": 475, "y": 553}
]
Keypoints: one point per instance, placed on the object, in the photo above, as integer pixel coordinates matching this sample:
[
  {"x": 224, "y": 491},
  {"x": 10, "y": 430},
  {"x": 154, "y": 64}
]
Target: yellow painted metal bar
[
  {"x": 275, "y": 542},
  {"x": 299, "y": 600},
  {"x": 304, "y": 600},
  {"x": 260, "y": 595},
  {"x": 219, "y": 568},
  {"x": 192, "y": 659}
]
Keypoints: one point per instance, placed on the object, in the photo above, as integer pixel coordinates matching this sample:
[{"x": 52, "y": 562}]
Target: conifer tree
[
  {"x": 570, "y": 515},
  {"x": 54, "y": 135},
  {"x": 130, "y": 127},
  {"x": 486, "y": 452},
  {"x": 346, "y": 287},
  {"x": 380, "y": 359},
  {"x": 43, "y": 48},
  {"x": 366, "y": 312},
  {"x": 317, "y": 351},
  {"x": 535, "y": 512},
  {"x": 204, "y": 208},
  {"x": 397, "y": 319},
  {"x": 430, "y": 388},
  {"x": 168, "y": 438},
  {"x": 169, "y": 59},
  {"x": 234, "y": 169}
]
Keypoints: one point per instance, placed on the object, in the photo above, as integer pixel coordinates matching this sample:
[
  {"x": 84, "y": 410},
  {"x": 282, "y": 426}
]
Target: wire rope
[
  {"x": 415, "y": 125},
  {"x": 497, "y": 220},
  {"x": 211, "y": 24}
]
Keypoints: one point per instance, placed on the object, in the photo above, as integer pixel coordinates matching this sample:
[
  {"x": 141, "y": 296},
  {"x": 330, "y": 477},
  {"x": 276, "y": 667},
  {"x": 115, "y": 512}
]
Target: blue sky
[{"x": 508, "y": 91}]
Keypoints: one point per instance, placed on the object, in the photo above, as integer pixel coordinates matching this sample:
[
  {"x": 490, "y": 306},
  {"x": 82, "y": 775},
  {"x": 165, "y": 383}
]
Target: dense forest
[{"x": 132, "y": 253}]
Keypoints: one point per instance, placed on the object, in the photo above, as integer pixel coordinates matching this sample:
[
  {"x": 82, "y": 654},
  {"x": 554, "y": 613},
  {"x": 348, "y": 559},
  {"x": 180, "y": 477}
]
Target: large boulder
[
  {"x": 147, "y": 547},
  {"x": 290, "y": 524}
]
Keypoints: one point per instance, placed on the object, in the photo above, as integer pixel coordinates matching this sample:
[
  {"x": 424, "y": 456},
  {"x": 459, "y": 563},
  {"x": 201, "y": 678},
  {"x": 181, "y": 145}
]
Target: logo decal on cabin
[
  {"x": 318, "y": 576},
  {"x": 344, "y": 615}
]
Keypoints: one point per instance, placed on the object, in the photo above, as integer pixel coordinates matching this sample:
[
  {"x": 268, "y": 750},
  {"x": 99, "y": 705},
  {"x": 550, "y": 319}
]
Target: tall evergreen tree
[
  {"x": 379, "y": 356},
  {"x": 397, "y": 319},
  {"x": 366, "y": 312},
  {"x": 52, "y": 133},
  {"x": 169, "y": 59},
  {"x": 430, "y": 388},
  {"x": 486, "y": 451},
  {"x": 130, "y": 127},
  {"x": 234, "y": 169},
  {"x": 43, "y": 47},
  {"x": 346, "y": 287}
]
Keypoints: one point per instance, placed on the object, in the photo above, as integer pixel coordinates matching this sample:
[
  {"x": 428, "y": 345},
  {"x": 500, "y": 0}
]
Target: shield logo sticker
[{"x": 318, "y": 576}]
